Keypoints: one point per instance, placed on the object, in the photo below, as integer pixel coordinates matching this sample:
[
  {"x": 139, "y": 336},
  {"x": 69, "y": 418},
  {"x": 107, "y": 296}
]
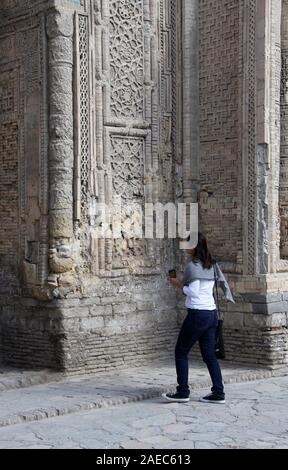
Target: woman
[{"x": 200, "y": 323}]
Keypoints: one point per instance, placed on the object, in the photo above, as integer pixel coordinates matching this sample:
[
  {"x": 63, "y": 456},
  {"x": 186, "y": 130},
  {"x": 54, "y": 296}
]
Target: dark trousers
[{"x": 199, "y": 325}]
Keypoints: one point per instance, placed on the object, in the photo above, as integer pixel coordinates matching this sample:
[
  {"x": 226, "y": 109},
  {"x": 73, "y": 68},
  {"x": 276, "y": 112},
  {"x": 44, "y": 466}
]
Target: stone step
[{"x": 11, "y": 378}]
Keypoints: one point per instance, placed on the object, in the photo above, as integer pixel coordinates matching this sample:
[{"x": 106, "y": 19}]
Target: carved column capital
[{"x": 59, "y": 23}]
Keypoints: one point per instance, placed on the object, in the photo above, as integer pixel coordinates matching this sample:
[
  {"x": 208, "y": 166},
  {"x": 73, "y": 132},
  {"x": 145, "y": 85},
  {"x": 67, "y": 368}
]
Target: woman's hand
[{"x": 176, "y": 282}]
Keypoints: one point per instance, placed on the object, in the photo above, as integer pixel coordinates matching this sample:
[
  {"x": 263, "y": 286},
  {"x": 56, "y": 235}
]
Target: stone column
[
  {"x": 190, "y": 51},
  {"x": 61, "y": 156},
  {"x": 264, "y": 151}
]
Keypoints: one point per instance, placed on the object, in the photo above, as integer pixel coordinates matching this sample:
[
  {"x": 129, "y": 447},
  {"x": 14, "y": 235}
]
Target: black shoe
[
  {"x": 213, "y": 399},
  {"x": 175, "y": 397}
]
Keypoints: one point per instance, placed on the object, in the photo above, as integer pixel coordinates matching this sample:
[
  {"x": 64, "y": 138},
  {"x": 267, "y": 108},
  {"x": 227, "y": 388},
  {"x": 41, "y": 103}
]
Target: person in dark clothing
[{"x": 200, "y": 323}]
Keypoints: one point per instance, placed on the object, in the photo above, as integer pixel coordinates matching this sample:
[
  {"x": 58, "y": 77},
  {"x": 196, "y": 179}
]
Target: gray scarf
[{"x": 195, "y": 270}]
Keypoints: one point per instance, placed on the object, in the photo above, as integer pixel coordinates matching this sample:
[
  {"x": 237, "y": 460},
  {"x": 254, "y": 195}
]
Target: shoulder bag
[{"x": 219, "y": 341}]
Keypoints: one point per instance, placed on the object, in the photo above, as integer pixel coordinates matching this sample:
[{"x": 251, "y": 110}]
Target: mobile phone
[{"x": 172, "y": 273}]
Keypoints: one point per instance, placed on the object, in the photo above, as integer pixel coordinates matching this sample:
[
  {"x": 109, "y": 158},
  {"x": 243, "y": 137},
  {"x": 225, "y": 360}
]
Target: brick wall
[
  {"x": 95, "y": 333},
  {"x": 9, "y": 227},
  {"x": 220, "y": 163}
]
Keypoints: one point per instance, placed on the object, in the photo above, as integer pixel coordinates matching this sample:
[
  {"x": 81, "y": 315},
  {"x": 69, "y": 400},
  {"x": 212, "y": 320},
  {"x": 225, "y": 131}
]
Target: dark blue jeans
[{"x": 199, "y": 325}]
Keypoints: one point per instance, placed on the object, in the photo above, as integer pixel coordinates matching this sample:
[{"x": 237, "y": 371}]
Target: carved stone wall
[
  {"x": 283, "y": 187},
  {"x": 101, "y": 78},
  {"x": 100, "y": 100},
  {"x": 126, "y": 94},
  {"x": 24, "y": 243}
]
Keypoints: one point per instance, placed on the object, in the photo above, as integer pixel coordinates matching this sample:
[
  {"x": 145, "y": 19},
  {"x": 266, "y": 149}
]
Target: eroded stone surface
[{"x": 254, "y": 417}]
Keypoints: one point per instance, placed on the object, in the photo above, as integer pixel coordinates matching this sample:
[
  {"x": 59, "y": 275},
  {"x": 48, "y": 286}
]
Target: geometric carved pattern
[
  {"x": 9, "y": 204},
  {"x": 251, "y": 140},
  {"x": 6, "y": 98},
  {"x": 10, "y": 173},
  {"x": 128, "y": 182},
  {"x": 174, "y": 74},
  {"x": 284, "y": 73},
  {"x": 84, "y": 108},
  {"x": 27, "y": 45},
  {"x": 127, "y": 163},
  {"x": 126, "y": 58},
  {"x": 25, "y": 42},
  {"x": 283, "y": 183},
  {"x": 165, "y": 20},
  {"x": 124, "y": 108},
  {"x": 8, "y": 93},
  {"x": 168, "y": 93}
]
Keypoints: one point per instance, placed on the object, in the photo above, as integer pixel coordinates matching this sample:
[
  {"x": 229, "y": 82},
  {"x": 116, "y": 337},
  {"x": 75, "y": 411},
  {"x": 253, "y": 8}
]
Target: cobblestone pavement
[{"x": 255, "y": 417}]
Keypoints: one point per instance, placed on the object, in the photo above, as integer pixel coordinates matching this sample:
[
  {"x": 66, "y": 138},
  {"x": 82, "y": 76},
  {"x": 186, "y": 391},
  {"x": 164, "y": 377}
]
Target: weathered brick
[
  {"x": 125, "y": 308},
  {"x": 98, "y": 310},
  {"x": 95, "y": 323}
]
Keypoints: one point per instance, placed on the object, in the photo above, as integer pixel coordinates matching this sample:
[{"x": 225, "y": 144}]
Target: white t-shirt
[{"x": 199, "y": 295}]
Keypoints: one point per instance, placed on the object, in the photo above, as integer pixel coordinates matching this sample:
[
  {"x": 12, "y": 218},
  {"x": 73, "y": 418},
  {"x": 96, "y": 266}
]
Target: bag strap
[{"x": 217, "y": 294}]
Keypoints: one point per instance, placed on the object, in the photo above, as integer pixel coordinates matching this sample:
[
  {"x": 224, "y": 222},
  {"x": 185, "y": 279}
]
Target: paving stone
[
  {"x": 86, "y": 413},
  {"x": 205, "y": 445},
  {"x": 69, "y": 395}
]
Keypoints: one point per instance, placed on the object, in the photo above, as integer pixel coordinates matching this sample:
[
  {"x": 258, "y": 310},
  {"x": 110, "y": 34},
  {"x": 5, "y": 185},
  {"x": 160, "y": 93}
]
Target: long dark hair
[{"x": 202, "y": 253}]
